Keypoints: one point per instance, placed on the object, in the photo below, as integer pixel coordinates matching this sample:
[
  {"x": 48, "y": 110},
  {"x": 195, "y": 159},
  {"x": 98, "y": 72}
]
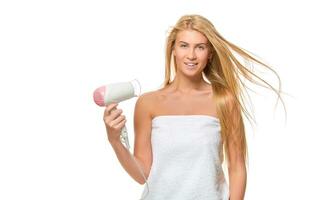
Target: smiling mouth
[{"x": 191, "y": 64}]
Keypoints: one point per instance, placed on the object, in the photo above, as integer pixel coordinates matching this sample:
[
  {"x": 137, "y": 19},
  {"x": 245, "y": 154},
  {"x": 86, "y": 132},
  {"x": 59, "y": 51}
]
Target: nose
[{"x": 191, "y": 54}]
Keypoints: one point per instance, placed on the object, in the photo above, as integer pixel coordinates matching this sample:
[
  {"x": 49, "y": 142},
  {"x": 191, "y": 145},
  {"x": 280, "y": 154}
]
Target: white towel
[{"x": 187, "y": 159}]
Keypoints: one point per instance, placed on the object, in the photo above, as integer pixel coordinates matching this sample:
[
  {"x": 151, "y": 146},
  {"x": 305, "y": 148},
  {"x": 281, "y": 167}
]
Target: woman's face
[{"x": 191, "y": 51}]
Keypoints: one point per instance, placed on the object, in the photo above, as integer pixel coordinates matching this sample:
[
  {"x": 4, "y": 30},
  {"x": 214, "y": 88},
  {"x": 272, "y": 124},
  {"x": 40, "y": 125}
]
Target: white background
[{"x": 53, "y": 54}]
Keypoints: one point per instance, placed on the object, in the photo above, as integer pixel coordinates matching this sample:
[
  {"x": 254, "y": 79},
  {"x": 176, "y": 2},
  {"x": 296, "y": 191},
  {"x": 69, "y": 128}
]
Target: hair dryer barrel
[{"x": 116, "y": 92}]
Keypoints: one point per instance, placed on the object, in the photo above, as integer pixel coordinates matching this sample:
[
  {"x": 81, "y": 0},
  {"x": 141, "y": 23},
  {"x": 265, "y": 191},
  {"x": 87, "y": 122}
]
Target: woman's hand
[{"x": 114, "y": 122}]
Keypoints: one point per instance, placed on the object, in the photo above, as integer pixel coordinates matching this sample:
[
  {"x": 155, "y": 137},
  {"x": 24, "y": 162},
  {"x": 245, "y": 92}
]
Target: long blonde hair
[{"x": 223, "y": 71}]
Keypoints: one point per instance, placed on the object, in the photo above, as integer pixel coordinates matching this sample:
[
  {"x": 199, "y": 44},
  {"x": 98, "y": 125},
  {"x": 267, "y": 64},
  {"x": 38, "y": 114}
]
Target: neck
[{"x": 185, "y": 85}]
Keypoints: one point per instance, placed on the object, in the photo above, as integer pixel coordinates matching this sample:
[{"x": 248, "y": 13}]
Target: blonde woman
[{"x": 184, "y": 130}]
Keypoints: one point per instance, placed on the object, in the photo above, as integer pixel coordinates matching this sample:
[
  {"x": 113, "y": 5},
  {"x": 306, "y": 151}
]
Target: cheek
[
  {"x": 203, "y": 57},
  {"x": 179, "y": 55}
]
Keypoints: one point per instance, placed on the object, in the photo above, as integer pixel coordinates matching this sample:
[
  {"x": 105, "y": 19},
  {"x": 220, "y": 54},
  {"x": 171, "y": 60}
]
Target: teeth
[{"x": 190, "y": 64}]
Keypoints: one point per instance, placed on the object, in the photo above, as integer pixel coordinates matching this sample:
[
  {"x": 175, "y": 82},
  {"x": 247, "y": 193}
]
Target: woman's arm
[
  {"x": 142, "y": 155},
  {"x": 128, "y": 162}
]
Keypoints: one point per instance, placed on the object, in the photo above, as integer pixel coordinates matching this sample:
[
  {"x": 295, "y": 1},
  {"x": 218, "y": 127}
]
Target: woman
[{"x": 183, "y": 129}]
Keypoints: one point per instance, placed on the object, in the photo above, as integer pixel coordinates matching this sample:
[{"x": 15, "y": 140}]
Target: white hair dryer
[{"x": 115, "y": 93}]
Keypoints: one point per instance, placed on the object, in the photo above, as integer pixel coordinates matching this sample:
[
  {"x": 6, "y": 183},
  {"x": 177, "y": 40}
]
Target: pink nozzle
[{"x": 98, "y": 96}]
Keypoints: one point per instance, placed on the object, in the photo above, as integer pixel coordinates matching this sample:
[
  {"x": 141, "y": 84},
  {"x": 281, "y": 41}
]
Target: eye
[
  {"x": 183, "y": 45},
  {"x": 201, "y": 47}
]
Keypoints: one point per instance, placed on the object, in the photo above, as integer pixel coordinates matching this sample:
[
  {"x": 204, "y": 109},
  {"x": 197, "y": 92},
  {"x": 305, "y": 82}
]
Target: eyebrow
[{"x": 196, "y": 44}]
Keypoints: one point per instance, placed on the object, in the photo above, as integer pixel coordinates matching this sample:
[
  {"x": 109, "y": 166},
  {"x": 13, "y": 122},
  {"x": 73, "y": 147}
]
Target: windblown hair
[{"x": 224, "y": 72}]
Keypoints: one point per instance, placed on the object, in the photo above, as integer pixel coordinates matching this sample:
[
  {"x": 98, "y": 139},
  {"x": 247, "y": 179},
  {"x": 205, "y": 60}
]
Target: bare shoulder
[{"x": 144, "y": 104}]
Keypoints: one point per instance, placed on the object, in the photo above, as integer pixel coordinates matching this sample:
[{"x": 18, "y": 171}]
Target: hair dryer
[{"x": 115, "y": 93}]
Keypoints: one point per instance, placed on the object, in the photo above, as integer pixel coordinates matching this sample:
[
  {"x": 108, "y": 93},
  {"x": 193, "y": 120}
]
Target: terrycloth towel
[{"x": 187, "y": 159}]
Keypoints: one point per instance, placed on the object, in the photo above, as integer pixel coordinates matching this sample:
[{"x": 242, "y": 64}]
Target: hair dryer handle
[{"x": 124, "y": 137}]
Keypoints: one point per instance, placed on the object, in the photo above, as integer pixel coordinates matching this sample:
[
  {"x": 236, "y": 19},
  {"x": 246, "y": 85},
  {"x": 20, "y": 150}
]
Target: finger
[
  {"x": 118, "y": 120},
  {"x": 121, "y": 124},
  {"x": 112, "y": 116},
  {"x": 115, "y": 113},
  {"x": 109, "y": 108}
]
